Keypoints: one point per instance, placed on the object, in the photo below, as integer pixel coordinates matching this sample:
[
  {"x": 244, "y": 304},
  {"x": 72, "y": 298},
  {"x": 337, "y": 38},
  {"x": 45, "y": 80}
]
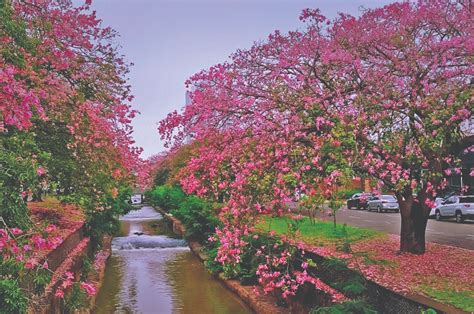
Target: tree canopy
[{"x": 381, "y": 95}]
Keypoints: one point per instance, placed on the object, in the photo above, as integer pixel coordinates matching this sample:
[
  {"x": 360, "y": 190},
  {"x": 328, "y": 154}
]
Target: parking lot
[{"x": 445, "y": 232}]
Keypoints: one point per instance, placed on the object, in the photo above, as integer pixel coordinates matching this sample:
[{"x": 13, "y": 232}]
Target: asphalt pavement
[{"x": 445, "y": 232}]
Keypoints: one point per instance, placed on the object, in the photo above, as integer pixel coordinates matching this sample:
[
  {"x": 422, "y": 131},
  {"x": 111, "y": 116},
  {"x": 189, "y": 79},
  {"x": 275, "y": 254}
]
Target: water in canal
[{"x": 155, "y": 272}]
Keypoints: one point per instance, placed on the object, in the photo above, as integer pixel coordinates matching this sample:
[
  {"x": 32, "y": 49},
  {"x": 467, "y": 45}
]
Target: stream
[{"x": 151, "y": 270}]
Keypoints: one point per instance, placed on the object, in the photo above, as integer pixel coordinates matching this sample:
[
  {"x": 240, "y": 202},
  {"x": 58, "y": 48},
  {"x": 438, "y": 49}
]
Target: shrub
[
  {"x": 212, "y": 265},
  {"x": 198, "y": 217},
  {"x": 12, "y": 298},
  {"x": 166, "y": 197},
  {"x": 196, "y": 214}
]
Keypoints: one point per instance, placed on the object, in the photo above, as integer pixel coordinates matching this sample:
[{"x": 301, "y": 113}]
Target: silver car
[
  {"x": 383, "y": 203},
  {"x": 460, "y": 207}
]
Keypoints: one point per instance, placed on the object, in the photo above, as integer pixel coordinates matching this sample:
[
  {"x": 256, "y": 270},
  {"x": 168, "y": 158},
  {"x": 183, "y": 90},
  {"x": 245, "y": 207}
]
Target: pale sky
[{"x": 170, "y": 40}]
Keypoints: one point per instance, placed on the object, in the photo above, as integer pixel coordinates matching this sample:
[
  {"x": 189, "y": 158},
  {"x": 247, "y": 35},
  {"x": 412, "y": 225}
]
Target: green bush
[
  {"x": 212, "y": 265},
  {"x": 246, "y": 270},
  {"x": 166, "y": 197},
  {"x": 16, "y": 175},
  {"x": 196, "y": 214},
  {"x": 12, "y": 298},
  {"x": 198, "y": 218}
]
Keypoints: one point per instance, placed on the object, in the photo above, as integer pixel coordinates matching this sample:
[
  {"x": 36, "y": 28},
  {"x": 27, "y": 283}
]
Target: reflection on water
[{"x": 158, "y": 274}]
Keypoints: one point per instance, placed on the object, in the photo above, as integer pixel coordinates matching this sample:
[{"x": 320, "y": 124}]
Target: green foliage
[
  {"x": 87, "y": 268},
  {"x": 349, "y": 307},
  {"x": 166, "y": 197},
  {"x": 40, "y": 279},
  {"x": 161, "y": 176},
  {"x": 76, "y": 299},
  {"x": 198, "y": 218},
  {"x": 353, "y": 286},
  {"x": 212, "y": 266},
  {"x": 105, "y": 221},
  {"x": 460, "y": 299},
  {"x": 17, "y": 172},
  {"x": 196, "y": 214},
  {"x": 245, "y": 271},
  {"x": 335, "y": 264},
  {"x": 250, "y": 259},
  {"x": 12, "y": 298},
  {"x": 16, "y": 30},
  {"x": 321, "y": 232},
  {"x": 53, "y": 137}
]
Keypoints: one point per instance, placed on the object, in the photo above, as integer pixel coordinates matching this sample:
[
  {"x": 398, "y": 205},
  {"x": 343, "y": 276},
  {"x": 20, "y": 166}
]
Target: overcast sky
[{"x": 169, "y": 40}]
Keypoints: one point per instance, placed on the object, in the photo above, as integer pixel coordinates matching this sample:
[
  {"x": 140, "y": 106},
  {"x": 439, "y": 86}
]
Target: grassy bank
[
  {"x": 442, "y": 273},
  {"x": 321, "y": 233}
]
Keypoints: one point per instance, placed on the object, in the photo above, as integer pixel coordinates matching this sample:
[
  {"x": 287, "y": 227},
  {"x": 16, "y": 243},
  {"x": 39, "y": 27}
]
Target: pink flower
[
  {"x": 45, "y": 265},
  {"x": 30, "y": 263},
  {"x": 66, "y": 284},
  {"x": 50, "y": 228},
  {"x": 40, "y": 171},
  {"x": 16, "y": 231},
  {"x": 89, "y": 288},
  {"x": 59, "y": 293}
]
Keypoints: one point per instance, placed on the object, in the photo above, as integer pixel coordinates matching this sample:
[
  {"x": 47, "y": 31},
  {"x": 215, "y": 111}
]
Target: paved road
[{"x": 445, "y": 232}]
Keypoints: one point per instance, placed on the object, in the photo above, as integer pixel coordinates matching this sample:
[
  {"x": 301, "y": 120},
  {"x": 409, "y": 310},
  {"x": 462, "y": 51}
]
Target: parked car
[
  {"x": 359, "y": 200},
  {"x": 460, "y": 207},
  {"x": 383, "y": 203},
  {"x": 438, "y": 202}
]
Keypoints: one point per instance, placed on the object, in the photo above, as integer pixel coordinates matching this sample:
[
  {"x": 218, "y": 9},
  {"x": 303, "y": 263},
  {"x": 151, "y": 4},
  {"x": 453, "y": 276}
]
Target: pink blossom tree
[{"x": 381, "y": 95}]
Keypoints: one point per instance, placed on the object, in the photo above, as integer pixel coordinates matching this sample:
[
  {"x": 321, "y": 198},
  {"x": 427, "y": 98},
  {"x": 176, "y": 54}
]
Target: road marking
[
  {"x": 354, "y": 217},
  {"x": 470, "y": 235},
  {"x": 435, "y": 232},
  {"x": 370, "y": 221}
]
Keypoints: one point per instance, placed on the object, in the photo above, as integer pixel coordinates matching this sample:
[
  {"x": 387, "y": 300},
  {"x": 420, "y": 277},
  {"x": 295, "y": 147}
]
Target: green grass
[
  {"x": 462, "y": 299},
  {"x": 320, "y": 233}
]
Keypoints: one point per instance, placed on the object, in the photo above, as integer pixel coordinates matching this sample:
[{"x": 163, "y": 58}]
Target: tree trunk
[{"x": 413, "y": 227}]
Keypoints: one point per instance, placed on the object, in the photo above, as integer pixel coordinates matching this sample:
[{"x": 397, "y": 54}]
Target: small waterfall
[{"x": 146, "y": 242}]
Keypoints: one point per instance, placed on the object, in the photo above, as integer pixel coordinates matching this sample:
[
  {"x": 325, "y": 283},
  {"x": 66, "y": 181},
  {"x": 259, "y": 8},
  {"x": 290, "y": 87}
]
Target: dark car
[{"x": 359, "y": 200}]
